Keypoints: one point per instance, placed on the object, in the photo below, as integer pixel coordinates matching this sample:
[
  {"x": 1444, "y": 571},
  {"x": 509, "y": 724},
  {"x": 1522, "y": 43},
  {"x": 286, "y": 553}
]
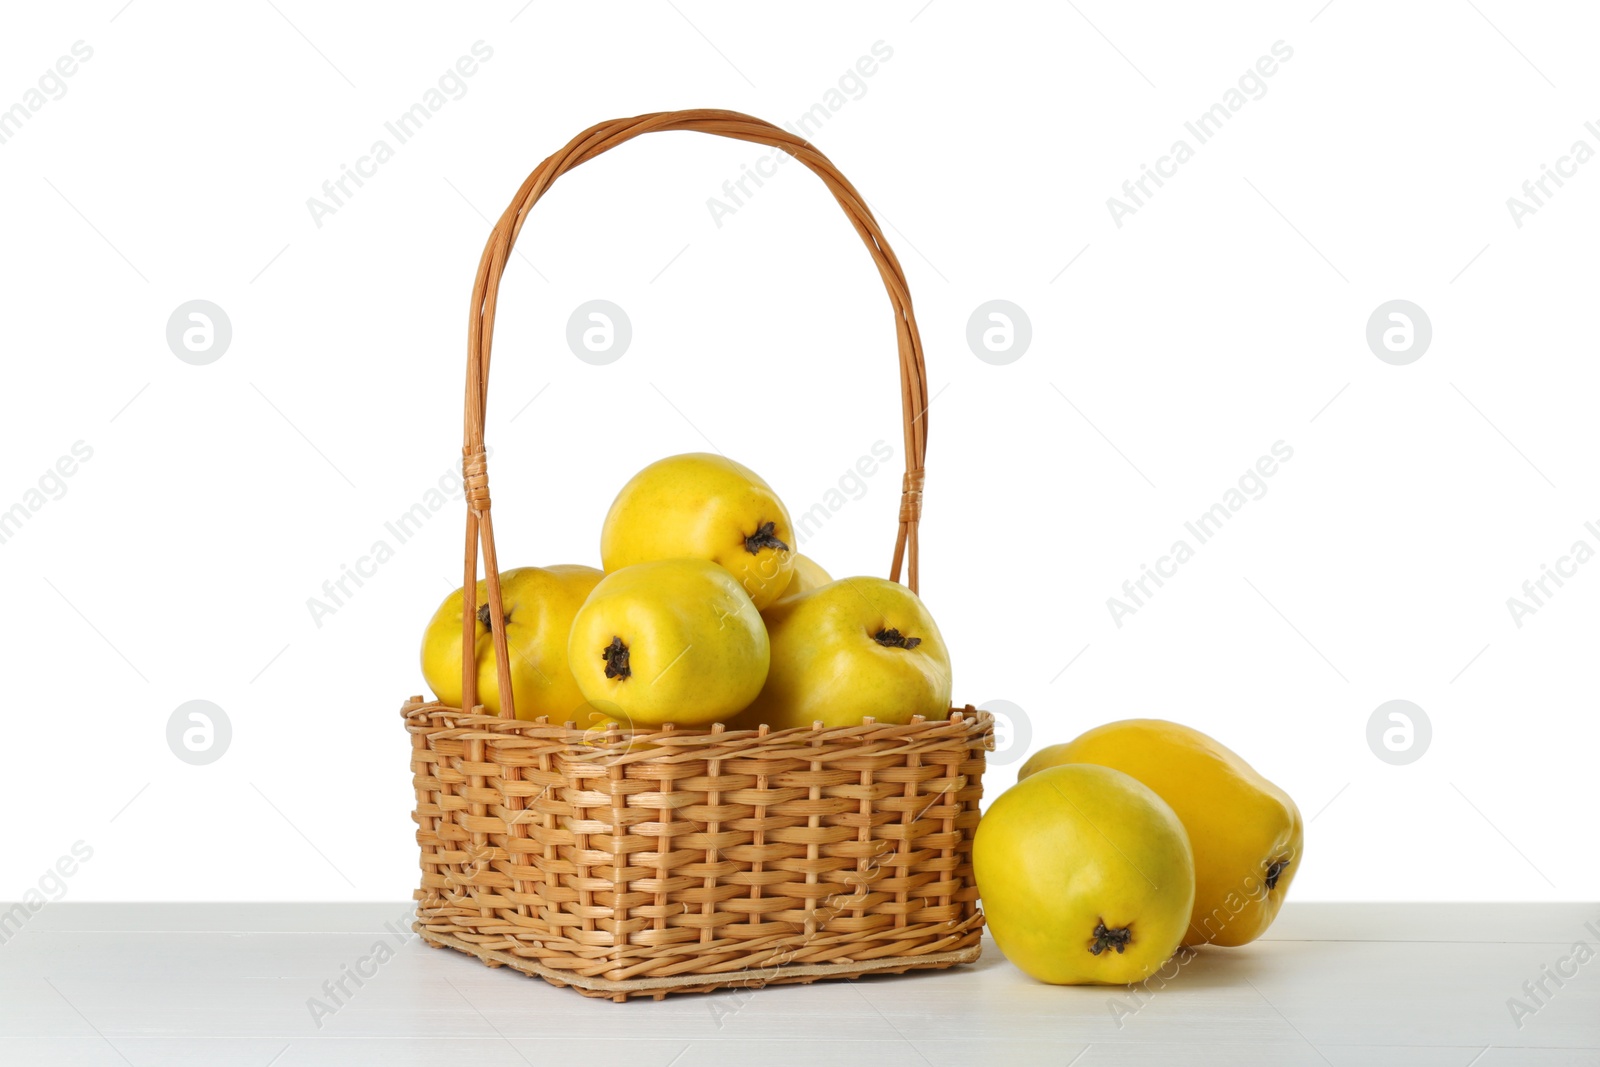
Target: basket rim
[
  {"x": 418, "y": 707},
  {"x": 422, "y": 717}
]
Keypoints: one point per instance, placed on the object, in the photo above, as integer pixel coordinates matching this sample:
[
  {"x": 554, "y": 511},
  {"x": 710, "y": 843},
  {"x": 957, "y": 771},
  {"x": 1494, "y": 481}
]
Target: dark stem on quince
[
  {"x": 1106, "y": 938},
  {"x": 1275, "y": 871},
  {"x": 893, "y": 639},
  {"x": 766, "y": 536},
  {"x": 483, "y": 616},
  {"x": 616, "y": 656}
]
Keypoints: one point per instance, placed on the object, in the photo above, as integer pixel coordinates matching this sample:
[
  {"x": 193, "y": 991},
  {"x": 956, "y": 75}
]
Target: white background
[{"x": 1227, "y": 314}]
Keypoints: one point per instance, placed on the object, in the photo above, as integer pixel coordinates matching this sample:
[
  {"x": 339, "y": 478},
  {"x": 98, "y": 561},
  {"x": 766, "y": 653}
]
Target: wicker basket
[{"x": 628, "y": 863}]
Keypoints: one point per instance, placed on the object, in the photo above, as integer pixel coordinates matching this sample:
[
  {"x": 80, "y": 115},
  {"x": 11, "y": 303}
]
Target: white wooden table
[{"x": 224, "y": 984}]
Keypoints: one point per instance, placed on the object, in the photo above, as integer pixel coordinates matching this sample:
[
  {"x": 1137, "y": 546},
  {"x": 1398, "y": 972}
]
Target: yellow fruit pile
[
  {"x": 703, "y": 613},
  {"x": 1138, "y": 840}
]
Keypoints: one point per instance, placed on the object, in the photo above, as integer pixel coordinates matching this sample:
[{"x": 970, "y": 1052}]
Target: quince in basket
[
  {"x": 808, "y": 575},
  {"x": 539, "y": 604},
  {"x": 704, "y": 614},
  {"x": 701, "y": 506},
  {"x": 669, "y": 641},
  {"x": 852, "y": 648}
]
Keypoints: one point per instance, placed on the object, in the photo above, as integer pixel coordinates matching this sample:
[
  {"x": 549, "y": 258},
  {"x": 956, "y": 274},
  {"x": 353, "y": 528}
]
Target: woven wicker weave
[{"x": 638, "y": 863}]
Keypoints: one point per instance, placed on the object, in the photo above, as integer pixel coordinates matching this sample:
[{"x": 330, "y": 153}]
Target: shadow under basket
[{"x": 641, "y": 863}]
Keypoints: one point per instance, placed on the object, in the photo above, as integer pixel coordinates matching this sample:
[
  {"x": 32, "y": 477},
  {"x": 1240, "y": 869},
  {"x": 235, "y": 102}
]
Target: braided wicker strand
[{"x": 480, "y": 342}]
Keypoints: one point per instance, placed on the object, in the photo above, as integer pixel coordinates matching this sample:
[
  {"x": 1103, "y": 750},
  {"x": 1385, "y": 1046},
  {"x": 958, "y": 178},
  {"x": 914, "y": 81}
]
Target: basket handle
[{"x": 480, "y": 338}]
